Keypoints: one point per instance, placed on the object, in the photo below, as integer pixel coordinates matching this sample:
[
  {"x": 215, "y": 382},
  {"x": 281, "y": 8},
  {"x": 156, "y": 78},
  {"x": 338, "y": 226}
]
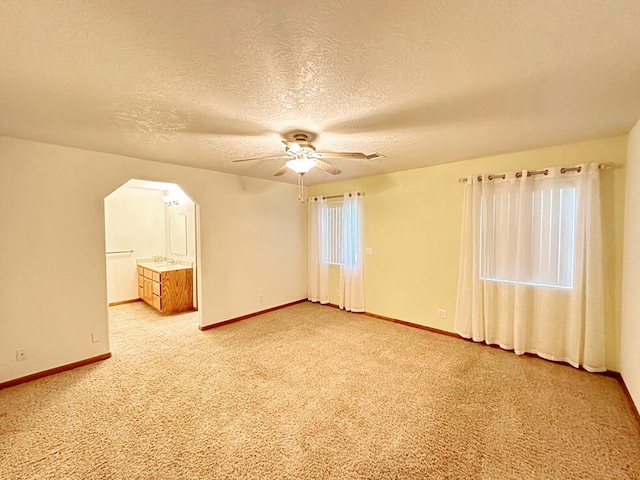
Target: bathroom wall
[
  {"x": 134, "y": 220},
  {"x": 185, "y": 207}
]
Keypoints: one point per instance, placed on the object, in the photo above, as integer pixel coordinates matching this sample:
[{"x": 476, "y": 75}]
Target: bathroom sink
[
  {"x": 163, "y": 266},
  {"x": 172, "y": 266}
]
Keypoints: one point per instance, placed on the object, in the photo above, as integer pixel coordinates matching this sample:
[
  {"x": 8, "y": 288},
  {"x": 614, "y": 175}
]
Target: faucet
[{"x": 170, "y": 260}]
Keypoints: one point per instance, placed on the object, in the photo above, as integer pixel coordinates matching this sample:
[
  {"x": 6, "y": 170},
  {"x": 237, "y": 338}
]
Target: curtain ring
[
  {"x": 518, "y": 174},
  {"x": 546, "y": 171},
  {"x": 479, "y": 178},
  {"x": 579, "y": 168}
]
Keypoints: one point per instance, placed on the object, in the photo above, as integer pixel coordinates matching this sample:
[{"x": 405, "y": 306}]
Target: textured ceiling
[{"x": 423, "y": 82}]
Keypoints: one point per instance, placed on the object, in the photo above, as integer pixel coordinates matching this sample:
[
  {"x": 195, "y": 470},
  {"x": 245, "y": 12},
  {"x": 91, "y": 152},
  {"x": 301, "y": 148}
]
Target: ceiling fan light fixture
[{"x": 301, "y": 165}]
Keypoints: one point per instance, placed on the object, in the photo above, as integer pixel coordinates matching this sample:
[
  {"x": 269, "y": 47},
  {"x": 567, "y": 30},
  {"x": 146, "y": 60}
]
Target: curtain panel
[
  {"x": 531, "y": 265},
  {"x": 318, "y": 268},
  {"x": 351, "y": 270}
]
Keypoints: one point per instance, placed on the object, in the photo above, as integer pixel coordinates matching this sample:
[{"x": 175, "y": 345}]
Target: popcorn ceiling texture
[
  {"x": 312, "y": 392},
  {"x": 203, "y": 83}
]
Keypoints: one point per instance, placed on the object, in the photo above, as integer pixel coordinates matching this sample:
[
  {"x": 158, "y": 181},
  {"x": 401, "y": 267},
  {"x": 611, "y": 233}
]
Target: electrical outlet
[
  {"x": 442, "y": 313},
  {"x": 21, "y": 355},
  {"x": 95, "y": 338},
  {"x": 260, "y": 297}
]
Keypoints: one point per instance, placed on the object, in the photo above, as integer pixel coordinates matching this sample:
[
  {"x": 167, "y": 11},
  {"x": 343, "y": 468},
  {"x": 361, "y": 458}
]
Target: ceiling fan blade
[
  {"x": 352, "y": 155},
  {"x": 355, "y": 155},
  {"x": 281, "y": 171},
  {"x": 272, "y": 157},
  {"x": 327, "y": 168}
]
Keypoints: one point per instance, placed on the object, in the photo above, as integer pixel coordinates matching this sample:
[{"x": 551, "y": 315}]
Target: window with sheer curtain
[
  {"x": 550, "y": 250},
  {"x": 336, "y": 237},
  {"x": 531, "y": 264},
  {"x": 333, "y": 252}
]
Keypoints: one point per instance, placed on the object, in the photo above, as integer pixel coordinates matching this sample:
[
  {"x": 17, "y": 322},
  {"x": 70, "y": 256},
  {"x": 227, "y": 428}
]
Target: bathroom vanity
[{"x": 167, "y": 287}]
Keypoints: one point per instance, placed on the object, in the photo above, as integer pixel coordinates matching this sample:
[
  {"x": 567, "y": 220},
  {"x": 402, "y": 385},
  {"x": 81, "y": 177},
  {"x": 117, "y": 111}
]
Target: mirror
[{"x": 178, "y": 234}]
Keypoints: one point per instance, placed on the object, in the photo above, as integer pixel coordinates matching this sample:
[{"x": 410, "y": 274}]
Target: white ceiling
[{"x": 423, "y": 82}]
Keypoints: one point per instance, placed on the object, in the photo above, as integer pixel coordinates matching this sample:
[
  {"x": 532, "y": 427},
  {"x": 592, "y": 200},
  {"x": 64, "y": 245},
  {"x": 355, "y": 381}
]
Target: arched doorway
[{"x": 152, "y": 224}]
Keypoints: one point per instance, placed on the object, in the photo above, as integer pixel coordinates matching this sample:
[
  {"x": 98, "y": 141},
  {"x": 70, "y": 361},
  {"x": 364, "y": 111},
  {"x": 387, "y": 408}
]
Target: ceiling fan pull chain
[{"x": 300, "y": 187}]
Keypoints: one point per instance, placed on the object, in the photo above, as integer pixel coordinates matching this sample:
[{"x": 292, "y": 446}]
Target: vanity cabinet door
[
  {"x": 148, "y": 291},
  {"x": 140, "y": 286}
]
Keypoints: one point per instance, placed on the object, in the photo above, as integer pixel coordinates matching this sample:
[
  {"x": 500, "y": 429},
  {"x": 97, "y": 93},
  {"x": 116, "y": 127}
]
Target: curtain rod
[
  {"x": 326, "y": 197},
  {"x": 602, "y": 166}
]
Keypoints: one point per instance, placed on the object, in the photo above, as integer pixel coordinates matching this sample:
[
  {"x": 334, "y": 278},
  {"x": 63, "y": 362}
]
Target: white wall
[
  {"x": 53, "y": 284},
  {"x": 630, "y": 325},
  {"x": 134, "y": 220}
]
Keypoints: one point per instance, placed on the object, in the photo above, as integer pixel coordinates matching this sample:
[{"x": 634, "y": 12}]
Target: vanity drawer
[
  {"x": 156, "y": 288},
  {"x": 140, "y": 270},
  {"x": 157, "y": 302},
  {"x": 147, "y": 272},
  {"x": 140, "y": 280},
  {"x": 140, "y": 291},
  {"x": 156, "y": 276}
]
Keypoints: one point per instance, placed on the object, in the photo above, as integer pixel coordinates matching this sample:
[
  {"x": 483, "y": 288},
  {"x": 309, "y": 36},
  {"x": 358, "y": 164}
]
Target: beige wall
[
  {"x": 52, "y": 237},
  {"x": 413, "y": 223},
  {"x": 630, "y": 338}
]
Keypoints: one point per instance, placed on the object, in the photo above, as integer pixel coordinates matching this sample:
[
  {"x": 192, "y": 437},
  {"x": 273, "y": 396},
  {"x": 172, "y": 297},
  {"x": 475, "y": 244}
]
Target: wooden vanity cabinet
[{"x": 168, "y": 292}]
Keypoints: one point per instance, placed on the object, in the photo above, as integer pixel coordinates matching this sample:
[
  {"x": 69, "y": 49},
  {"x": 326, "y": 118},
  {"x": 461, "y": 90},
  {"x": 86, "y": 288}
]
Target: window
[
  {"x": 333, "y": 250},
  {"x": 547, "y": 222}
]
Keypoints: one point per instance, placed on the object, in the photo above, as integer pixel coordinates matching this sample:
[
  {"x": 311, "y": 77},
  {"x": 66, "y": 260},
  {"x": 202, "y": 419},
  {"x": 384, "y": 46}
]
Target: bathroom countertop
[{"x": 164, "y": 266}]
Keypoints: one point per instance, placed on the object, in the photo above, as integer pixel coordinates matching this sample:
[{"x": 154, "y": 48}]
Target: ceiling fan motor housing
[{"x": 302, "y": 139}]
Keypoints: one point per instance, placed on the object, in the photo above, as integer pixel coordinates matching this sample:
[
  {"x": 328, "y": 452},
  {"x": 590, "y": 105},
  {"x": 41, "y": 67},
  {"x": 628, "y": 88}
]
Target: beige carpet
[{"x": 313, "y": 392}]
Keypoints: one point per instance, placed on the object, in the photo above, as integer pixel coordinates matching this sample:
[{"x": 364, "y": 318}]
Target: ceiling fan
[{"x": 302, "y": 156}]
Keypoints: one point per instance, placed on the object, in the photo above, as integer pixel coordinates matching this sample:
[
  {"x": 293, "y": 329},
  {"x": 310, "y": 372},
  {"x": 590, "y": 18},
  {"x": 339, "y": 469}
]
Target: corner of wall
[{"x": 630, "y": 321}]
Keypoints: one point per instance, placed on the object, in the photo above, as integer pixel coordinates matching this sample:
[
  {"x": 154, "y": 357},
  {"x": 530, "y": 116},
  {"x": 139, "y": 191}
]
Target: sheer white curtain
[
  {"x": 531, "y": 265},
  {"x": 351, "y": 271},
  {"x": 318, "y": 268}
]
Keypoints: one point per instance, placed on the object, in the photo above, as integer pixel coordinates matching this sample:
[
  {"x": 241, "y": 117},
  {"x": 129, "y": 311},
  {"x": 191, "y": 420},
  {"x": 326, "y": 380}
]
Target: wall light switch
[
  {"x": 21, "y": 355},
  {"x": 368, "y": 251}
]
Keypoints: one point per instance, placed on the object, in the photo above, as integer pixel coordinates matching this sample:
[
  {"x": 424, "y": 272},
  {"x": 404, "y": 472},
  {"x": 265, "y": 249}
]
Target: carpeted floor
[{"x": 311, "y": 392}]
